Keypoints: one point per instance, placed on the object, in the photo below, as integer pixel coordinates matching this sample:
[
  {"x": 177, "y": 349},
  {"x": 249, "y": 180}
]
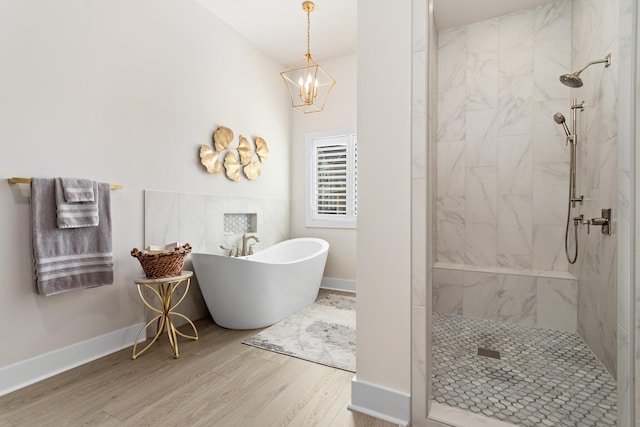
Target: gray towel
[
  {"x": 69, "y": 259},
  {"x": 78, "y": 214},
  {"x": 78, "y": 190}
]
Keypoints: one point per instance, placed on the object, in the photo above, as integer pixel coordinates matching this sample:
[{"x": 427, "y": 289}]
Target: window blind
[{"x": 331, "y": 180}]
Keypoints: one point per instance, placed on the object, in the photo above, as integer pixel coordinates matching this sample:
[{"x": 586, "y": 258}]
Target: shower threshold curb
[{"x": 459, "y": 418}]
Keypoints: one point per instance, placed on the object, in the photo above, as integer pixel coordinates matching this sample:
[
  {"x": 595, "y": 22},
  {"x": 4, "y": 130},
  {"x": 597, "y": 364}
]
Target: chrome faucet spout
[{"x": 245, "y": 240}]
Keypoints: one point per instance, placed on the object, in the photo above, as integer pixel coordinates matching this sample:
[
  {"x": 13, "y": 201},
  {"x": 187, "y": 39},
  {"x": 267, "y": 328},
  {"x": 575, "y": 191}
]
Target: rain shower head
[
  {"x": 559, "y": 118},
  {"x": 574, "y": 80},
  {"x": 571, "y": 80}
]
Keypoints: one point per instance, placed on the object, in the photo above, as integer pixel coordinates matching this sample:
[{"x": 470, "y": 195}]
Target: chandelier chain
[{"x": 309, "y": 32}]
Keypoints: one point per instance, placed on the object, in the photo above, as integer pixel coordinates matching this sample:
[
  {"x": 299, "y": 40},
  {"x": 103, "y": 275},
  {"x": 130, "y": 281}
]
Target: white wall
[
  {"x": 339, "y": 113},
  {"x": 384, "y": 196},
  {"x": 123, "y": 91}
]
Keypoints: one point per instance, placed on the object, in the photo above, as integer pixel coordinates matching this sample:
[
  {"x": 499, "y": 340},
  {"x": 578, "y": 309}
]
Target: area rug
[{"x": 324, "y": 332}]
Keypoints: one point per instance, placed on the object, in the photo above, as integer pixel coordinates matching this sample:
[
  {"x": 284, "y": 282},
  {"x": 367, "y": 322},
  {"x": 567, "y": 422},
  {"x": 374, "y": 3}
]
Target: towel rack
[{"x": 15, "y": 180}]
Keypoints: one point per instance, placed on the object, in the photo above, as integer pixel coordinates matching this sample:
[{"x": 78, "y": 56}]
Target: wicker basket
[{"x": 161, "y": 265}]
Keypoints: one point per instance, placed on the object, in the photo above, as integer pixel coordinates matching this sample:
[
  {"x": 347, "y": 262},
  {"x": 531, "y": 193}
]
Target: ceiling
[
  {"x": 453, "y": 13},
  {"x": 278, "y": 27}
]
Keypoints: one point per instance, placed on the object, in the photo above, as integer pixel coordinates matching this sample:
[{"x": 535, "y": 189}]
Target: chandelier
[{"x": 309, "y": 85}]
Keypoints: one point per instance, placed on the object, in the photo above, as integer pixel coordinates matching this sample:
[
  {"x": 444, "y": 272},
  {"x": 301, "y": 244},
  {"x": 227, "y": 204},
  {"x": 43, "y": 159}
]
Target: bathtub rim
[{"x": 324, "y": 247}]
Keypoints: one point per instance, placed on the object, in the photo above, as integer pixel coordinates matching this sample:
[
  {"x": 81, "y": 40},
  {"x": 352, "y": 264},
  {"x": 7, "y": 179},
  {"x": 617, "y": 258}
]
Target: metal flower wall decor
[{"x": 222, "y": 138}]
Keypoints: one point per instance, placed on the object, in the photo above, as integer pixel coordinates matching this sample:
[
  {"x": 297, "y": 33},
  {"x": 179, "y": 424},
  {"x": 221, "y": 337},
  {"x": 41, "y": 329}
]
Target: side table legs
[{"x": 164, "y": 292}]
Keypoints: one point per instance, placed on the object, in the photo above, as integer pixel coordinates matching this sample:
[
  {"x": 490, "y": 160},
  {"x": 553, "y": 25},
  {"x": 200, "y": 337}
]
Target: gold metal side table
[{"x": 164, "y": 289}]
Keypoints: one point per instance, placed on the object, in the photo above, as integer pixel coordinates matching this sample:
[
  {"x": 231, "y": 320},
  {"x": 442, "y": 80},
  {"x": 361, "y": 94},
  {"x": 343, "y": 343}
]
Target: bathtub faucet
[{"x": 248, "y": 250}]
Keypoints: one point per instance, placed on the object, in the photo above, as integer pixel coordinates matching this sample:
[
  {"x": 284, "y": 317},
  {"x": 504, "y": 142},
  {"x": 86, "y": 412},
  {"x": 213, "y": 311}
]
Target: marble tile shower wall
[
  {"x": 596, "y": 32},
  {"x": 628, "y": 50},
  {"x": 626, "y": 306},
  {"x": 422, "y": 100},
  {"x": 634, "y": 257},
  {"x": 502, "y": 172},
  {"x": 199, "y": 219}
]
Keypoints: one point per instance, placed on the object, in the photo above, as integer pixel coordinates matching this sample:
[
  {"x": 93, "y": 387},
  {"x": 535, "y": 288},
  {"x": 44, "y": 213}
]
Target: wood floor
[{"x": 217, "y": 381}]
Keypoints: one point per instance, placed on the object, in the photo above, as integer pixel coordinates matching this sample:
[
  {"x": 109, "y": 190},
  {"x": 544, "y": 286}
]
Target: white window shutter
[{"x": 332, "y": 179}]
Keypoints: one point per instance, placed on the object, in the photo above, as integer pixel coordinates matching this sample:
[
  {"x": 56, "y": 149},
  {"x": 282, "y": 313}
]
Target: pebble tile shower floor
[{"x": 543, "y": 377}]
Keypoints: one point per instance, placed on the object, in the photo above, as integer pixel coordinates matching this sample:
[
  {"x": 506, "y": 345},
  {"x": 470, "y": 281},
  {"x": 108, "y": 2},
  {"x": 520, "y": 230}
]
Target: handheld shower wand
[{"x": 559, "y": 119}]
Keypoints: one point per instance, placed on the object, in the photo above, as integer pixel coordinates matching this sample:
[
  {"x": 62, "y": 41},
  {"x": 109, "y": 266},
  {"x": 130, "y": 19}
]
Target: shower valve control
[
  {"x": 604, "y": 221},
  {"x": 581, "y": 220}
]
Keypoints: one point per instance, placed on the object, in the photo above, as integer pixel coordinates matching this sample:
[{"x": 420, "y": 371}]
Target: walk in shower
[{"x": 526, "y": 324}]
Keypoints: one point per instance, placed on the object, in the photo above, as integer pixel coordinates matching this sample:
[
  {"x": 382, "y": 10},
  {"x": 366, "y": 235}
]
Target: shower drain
[{"x": 488, "y": 353}]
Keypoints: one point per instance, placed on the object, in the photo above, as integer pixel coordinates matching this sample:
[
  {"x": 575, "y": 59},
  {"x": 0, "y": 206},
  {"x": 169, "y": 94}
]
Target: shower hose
[{"x": 571, "y": 259}]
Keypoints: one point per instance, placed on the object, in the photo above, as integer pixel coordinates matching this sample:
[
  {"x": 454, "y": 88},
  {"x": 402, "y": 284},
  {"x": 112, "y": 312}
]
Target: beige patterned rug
[{"x": 324, "y": 332}]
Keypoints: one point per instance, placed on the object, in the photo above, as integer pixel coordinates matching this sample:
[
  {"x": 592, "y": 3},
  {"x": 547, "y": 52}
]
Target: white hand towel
[
  {"x": 78, "y": 190},
  {"x": 75, "y": 215}
]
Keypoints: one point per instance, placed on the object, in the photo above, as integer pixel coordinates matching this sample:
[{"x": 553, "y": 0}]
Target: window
[{"x": 331, "y": 179}]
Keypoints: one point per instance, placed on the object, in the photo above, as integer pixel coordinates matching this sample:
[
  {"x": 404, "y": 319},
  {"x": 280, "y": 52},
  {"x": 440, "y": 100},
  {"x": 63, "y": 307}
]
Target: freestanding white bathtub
[{"x": 259, "y": 290}]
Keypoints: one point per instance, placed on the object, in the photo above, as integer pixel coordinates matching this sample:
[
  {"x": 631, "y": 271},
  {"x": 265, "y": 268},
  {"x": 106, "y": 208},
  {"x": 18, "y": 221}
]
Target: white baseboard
[
  {"x": 338, "y": 284},
  {"x": 379, "y": 402},
  {"x": 30, "y": 371}
]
